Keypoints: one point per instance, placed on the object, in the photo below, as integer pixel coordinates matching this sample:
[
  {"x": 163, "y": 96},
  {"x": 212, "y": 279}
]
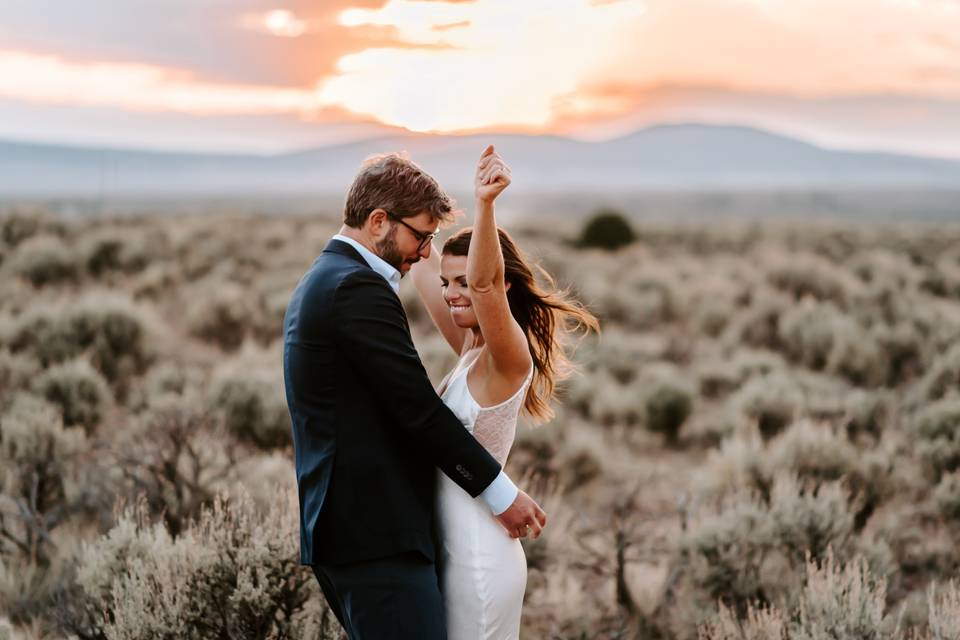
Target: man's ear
[
  {"x": 376, "y": 222},
  {"x": 506, "y": 285}
]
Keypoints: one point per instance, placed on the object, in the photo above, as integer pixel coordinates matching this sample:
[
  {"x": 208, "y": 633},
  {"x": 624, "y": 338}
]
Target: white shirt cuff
[{"x": 500, "y": 494}]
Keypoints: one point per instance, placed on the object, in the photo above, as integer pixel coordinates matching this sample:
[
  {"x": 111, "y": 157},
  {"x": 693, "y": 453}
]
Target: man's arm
[{"x": 372, "y": 327}]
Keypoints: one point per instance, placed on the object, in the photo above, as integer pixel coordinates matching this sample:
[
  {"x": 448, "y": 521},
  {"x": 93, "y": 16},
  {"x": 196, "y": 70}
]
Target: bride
[{"x": 506, "y": 330}]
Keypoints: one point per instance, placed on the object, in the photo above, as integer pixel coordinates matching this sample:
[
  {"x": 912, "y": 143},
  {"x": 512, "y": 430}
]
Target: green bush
[
  {"x": 608, "y": 230},
  {"x": 78, "y": 390}
]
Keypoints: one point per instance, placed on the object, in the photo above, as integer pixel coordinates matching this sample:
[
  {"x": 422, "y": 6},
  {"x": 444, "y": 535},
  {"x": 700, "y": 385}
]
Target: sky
[{"x": 264, "y": 76}]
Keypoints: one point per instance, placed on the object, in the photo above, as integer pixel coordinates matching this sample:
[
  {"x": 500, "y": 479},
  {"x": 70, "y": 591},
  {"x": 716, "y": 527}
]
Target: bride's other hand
[
  {"x": 492, "y": 176},
  {"x": 524, "y": 517}
]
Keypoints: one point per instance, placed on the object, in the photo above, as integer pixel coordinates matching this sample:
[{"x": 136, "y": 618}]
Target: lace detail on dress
[{"x": 494, "y": 427}]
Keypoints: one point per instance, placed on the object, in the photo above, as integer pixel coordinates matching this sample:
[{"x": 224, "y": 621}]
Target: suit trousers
[{"x": 395, "y": 598}]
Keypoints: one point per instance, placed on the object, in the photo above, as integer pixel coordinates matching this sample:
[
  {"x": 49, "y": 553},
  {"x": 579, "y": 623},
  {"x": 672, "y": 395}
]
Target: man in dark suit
[{"x": 369, "y": 431}]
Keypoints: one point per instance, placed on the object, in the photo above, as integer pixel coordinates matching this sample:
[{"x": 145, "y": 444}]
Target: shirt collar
[{"x": 378, "y": 264}]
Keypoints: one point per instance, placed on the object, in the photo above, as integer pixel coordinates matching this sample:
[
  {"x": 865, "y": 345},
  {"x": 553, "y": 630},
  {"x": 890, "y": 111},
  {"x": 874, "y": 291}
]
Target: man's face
[{"x": 400, "y": 247}]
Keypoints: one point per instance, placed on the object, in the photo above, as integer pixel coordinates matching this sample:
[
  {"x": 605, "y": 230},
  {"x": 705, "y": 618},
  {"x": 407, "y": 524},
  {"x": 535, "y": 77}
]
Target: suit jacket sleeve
[{"x": 372, "y": 328}]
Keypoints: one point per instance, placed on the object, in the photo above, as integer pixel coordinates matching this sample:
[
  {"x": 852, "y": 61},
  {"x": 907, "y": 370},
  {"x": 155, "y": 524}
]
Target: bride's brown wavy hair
[{"x": 547, "y": 317}]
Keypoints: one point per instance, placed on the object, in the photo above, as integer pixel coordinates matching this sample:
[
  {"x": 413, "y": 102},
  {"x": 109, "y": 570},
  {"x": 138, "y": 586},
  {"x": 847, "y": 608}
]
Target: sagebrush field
[{"x": 763, "y": 443}]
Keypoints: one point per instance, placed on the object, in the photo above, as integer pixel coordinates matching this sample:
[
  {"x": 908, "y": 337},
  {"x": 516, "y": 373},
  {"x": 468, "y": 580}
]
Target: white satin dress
[{"x": 484, "y": 570}]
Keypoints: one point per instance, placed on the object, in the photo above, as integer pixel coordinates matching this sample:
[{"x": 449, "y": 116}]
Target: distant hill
[{"x": 679, "y": 156}]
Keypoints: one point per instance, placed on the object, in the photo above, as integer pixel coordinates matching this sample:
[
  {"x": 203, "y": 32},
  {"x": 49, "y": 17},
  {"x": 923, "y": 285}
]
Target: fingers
[{"x": 493, "y": 173}]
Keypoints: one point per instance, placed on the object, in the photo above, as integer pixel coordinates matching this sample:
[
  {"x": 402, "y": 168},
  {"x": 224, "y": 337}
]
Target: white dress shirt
[{"x": 500, "y": 493}]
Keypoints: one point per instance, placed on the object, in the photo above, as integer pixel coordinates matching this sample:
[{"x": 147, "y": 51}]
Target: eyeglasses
[{"x": 424, "y": 238}]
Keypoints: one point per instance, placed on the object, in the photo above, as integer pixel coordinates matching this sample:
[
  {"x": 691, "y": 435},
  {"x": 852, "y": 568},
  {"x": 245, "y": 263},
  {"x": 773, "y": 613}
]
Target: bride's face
[{"x": 453, "y": 279}]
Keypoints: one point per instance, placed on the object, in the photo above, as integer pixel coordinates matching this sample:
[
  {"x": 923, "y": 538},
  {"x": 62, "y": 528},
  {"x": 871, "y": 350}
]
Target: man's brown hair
[{"x": 396, "y": 184}]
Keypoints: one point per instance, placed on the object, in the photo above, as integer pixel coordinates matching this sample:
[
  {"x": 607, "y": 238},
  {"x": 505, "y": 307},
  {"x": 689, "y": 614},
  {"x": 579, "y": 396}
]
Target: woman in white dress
[{"x": 482, "y": 295}]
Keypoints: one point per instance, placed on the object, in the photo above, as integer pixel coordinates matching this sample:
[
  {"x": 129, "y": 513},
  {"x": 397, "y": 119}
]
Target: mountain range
[{"x": 669, "y": 157}]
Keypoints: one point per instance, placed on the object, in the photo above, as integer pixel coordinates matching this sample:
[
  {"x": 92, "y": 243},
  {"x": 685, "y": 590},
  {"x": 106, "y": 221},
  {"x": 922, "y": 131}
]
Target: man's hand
[
  {"x": 523, "y": 517},
  {"x": 492, "y": 177}
]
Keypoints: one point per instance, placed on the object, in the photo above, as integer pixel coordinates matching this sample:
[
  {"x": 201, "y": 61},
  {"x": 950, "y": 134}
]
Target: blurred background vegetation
[{"x": 764, "y": 442}]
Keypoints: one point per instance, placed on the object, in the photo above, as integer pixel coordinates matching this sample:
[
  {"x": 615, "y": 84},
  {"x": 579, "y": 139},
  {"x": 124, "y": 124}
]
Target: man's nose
[{"x": 425, "y": 252}]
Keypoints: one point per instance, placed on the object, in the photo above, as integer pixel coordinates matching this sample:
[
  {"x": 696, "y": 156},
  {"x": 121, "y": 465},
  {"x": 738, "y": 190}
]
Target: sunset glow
[
  {"x": 582, "y": 67},
  {"x": 48, "y": 79}
]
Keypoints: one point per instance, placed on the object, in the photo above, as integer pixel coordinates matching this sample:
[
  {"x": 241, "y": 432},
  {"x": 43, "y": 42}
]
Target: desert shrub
[
  {"x": 667, "y": 404},
  {"x": 16, "y": 372},
  {"x": 757, "y": 325},
  {"x": 865, "y": 413},
  {"x": 937, "y": 436},
  {"x": 43, "y": 481},
  {"x": 156, "y": 281},
  {"x": 45, "y": 260},
  {"x": 943, "y": 376},
  {"x": 28, "y": 591},
  {"x": 821, "y": 337},
  {"x": 253, "y": 407},
  {"x": 946, "y": 496},
  {"x": 608, "y": 230},
  {"x": 808, "y": 517},
  {"x": 712, "y": 315},
  {"x": 716, "y": 378},
  {"x": 721, "y": 376},
  {"x": 842, "y": 601},
  {"x": 108, "y": 328},
  {"x": 232, "y": 574},
  {"x": 747, "y": 549},
  {"x": 807, "y": 332},
  {"x": 607, "y": 401},
  {"x": 639, "y": 298},
  {"x": 18, "y": 226},
  {"x": 903, "y": 348},
  {"x": 944, "y": 612},
  {"x": 738, "y": 464},
  {"x": 622, "y": 353},
  {"x": 772, "y": 401},
  {"x": 221, "y": 317},
  {"x": 806, "y": 275},
  {"x": 761, "y": 623},
  {"x": 79, "y": 391},
  {"x": 173, "y": 458},
  {"x": 814, "y": 452},
  {"x": 108, "y": 250}
]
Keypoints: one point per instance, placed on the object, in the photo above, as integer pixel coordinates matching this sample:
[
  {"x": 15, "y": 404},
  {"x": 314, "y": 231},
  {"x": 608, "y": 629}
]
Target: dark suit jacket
[{"x": 369, "y": 431}]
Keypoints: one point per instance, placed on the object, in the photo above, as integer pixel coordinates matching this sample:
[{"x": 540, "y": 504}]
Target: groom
[{"x": 369, "y": 431}]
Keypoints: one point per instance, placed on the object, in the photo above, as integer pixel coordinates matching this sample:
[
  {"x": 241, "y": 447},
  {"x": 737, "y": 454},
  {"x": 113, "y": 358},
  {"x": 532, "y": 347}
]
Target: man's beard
[{"x": 388, "y": 251}]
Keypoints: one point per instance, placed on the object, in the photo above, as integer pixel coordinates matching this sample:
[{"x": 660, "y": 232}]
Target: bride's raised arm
[
  {"x": 505, "y": 340},
  {"x": 426, "y": 278}
]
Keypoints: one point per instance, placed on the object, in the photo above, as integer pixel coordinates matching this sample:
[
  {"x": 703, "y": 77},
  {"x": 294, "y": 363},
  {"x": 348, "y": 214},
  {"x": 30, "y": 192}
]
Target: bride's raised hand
[{"x": 492, "y": 176}]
